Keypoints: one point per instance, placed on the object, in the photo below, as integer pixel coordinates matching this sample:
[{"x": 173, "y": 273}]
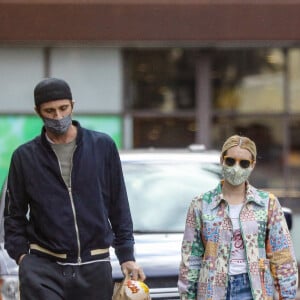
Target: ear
[{"x": 37, "y": 111}]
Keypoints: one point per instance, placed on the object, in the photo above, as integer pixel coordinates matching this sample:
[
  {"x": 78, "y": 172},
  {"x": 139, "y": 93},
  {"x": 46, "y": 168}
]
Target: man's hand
[{"x": 132, "y": 269}]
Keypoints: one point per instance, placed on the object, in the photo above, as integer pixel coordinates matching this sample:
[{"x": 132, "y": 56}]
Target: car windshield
[{"x": 160, "y": 193}]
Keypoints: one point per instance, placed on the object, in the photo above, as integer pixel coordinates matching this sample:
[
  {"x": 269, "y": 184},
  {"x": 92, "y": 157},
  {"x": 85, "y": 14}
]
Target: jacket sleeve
[
  {"x": 16, "y": 207},
  {"x": 192, "y": 251},
  {"x": 281, "y": 253},
  {"x": 120, "y": 215}
]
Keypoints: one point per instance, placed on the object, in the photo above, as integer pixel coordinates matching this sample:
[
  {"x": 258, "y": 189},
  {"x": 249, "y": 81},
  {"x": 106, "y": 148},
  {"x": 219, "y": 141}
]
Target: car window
[{"x": 160, "y": 193}]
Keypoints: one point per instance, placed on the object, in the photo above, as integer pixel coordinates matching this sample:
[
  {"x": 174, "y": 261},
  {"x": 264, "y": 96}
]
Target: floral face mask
[{"x": 236, "y": 175}]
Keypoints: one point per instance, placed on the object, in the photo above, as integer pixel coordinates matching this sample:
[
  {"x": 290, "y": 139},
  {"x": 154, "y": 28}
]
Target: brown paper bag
[{"x": 130, "y": 290}]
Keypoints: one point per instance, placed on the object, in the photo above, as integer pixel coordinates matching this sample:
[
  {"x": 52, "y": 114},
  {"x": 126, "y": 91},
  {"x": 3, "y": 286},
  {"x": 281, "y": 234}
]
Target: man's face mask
[
  {"x": 235, "y": 173},
  {"x": 58, "y": 127}
]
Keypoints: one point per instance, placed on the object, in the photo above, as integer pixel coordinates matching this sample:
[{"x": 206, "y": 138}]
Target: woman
[{"x": 236, "y": 243}]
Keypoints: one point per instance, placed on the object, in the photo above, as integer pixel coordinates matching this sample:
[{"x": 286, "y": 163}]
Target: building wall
[
  {"x": 94, "y": 74},
  {"x": 125, "y": 21}
]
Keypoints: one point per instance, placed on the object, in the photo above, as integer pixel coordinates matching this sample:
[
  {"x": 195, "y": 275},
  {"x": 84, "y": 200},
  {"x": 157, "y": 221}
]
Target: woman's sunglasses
[{"x": 244, "y": 163}]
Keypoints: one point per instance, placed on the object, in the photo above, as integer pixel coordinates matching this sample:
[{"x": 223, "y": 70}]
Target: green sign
[{"x": 18, "y": 129}]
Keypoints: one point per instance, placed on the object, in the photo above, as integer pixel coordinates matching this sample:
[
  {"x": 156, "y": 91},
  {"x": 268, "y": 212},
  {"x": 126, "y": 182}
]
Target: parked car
[
  {"x": 8, "y": 268},
  {"x": 160, "y": 186}
]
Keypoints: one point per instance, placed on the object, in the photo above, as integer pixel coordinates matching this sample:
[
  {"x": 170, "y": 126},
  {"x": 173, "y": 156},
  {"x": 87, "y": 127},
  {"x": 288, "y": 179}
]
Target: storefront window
[
  {"x": 294, "y": 154},
  {"x": 248, "y": 81},
  {"x": 164, "y": 132},
  {"x": 249, "y": 96},
  {"x": 20, "y": 69},
  {"x": 294, "y": 76},
  {"x": 160, "y": 79}
]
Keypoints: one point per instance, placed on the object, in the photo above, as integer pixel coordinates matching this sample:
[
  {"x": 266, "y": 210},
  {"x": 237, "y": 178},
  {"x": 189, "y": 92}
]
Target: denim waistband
[{"x": 241, "y": 278}]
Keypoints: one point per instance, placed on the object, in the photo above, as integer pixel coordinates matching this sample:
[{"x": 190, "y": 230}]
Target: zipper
[
  {"x": 76, "y": 225},
  {"x": 79, "y": 260},
  {"x": 74, "y": 211}
]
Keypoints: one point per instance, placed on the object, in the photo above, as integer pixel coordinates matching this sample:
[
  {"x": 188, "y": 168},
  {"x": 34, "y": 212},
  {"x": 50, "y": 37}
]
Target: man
[{"x": 71, "y": 180}]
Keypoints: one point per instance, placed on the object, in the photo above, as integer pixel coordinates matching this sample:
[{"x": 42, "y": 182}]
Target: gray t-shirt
[{"x": 64, "y": 153}]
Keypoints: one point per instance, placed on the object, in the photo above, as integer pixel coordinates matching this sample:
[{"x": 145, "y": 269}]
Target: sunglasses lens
[
  {"x": 244, "y": 163},
  {"x": 229, "y": 161}
]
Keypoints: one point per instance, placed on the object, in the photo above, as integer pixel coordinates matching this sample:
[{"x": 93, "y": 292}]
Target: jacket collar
[{"x": 252, "y": 195}]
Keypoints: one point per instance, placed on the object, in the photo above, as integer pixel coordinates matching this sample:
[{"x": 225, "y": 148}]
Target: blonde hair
[{"x": 241, "y": 141}]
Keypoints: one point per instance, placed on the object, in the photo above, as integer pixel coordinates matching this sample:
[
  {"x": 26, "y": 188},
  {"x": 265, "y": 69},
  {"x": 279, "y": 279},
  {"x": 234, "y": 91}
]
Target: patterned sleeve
[
  {"x": 191, "y": 253},
  {"x": 281, "y": 253}
]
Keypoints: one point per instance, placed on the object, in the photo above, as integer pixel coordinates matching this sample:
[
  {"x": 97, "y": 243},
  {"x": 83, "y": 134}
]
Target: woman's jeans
[{"x": 239, "y": 288}]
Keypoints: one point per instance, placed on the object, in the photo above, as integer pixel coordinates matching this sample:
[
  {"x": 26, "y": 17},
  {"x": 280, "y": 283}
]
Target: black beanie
[{"x": 51, "y": 89}]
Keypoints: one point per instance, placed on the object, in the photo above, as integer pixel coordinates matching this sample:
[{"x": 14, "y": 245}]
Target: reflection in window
[
  {"x": 160, "y": 79},
  {"x": 164, "y": 132},
  {"x": 294, "y": 155},
  {"x": 247, "y": 97},
  {"x": 294, "y": 74},
  {"x": 248, "y": 80}
]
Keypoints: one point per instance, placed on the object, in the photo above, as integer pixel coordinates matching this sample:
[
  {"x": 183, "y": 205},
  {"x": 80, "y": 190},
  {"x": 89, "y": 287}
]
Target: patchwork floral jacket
[{"x": 206, "y": 247}]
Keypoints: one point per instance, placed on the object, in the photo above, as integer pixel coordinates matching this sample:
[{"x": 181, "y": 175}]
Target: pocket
[
  {"x": 23, "y": 266},
  {"x": 204, "y": 270},
  {"x": 22, "y": 260},
  {"x": 205, "y": 280},
  {"x": 265, "y": 276}
]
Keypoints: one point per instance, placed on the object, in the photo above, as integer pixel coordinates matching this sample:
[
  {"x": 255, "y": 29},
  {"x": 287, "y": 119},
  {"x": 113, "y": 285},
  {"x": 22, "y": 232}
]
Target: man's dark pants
[{"x": 43, "y": 279}]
